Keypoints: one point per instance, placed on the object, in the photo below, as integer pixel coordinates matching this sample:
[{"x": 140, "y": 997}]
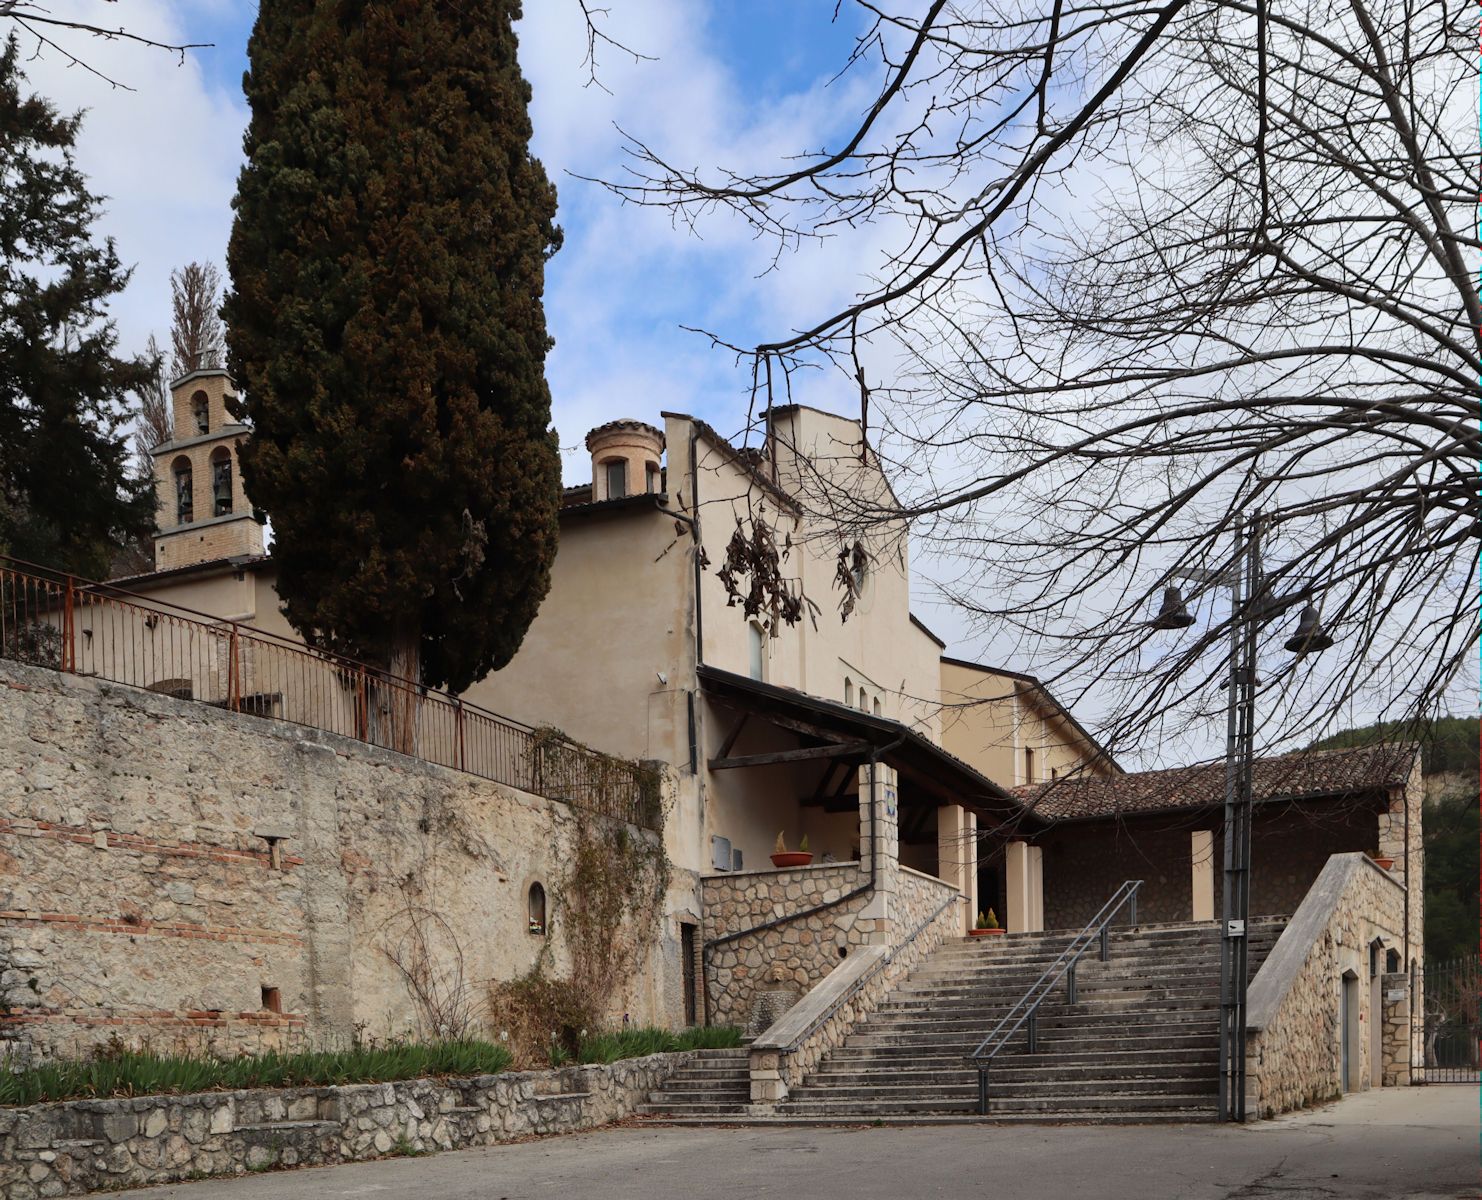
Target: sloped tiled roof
[{"x": 1300, "y": 774}]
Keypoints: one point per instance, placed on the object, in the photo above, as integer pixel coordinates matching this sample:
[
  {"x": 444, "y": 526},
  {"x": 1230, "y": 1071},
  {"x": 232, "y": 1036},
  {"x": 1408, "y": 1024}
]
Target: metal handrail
[
  {"x": 1026, "y": 1007},
  {"x": 52, "y": 619}
]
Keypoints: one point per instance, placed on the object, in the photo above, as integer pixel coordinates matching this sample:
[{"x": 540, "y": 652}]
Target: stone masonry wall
[
  {"x": 1294, "y": 1053},
  {"x": 174, "y": 874},
  {"x": 795, "y": 954},
  {"x": 923, "y": 918},
  {"x": 91, "y": 1145}
]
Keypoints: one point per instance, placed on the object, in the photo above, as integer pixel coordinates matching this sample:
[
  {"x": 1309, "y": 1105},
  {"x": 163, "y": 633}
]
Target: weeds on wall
[
  {"x": 426, "y": 953},
  {"x": 563, "y": 769},
  {"x": 609, "y": 907}
]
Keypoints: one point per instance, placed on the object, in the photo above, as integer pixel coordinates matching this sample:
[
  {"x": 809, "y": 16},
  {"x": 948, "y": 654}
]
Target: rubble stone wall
[
  {"x": 1294, "y": 1051},
  {"x": 177, "y": 875},
  {"x": 795, "y": 954},
  {"x": 81, "y": 1146},
  {"x": 927, "y": 913}
]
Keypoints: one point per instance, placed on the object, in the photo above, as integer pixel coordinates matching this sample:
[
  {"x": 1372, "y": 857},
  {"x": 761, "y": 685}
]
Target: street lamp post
[{"x": 1249, "y": 606}]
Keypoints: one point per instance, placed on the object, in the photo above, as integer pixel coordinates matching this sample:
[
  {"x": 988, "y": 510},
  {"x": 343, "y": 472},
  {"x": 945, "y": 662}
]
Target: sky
[
  {"x": 727, "y": 84},
  {"x": 722, "y": 83}
]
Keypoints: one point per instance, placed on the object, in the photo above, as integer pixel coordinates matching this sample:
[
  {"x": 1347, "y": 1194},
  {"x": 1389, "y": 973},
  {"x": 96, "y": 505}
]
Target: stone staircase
[
  {"x": 715, "y": 1083},
  {"x": 1140, "y": 1044}
]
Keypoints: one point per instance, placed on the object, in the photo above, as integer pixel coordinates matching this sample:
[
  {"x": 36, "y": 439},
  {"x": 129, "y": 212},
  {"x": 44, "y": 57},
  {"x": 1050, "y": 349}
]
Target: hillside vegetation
[{"x": 1453, "y": 829}]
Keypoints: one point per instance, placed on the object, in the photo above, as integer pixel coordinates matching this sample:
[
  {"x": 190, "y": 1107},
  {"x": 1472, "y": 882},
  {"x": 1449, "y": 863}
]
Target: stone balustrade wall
[
  {"x": 1294, "y": 1053},
  {"x": 795, "y": 954},
  {"x": 791, "y": 1050},
  {"x": 80, "y": 1146}
]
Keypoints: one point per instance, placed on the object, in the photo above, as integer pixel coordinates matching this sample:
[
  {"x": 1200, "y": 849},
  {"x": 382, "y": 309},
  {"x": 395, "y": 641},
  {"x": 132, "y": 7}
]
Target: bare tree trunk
[{"x": 402, "y": 698}]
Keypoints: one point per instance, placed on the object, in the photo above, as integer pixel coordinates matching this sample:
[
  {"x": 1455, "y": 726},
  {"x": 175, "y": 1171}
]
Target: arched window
[
  {"x": 184, "y": 491},
  {"x": 221, "y": 481},
  {"x": 848, "y": 691},
  {"x": 537, "y": 909},
  {"x": 200, "y": 411},
  {"x": 875, "y": 706},
  {"x": 864, "y": 701}
]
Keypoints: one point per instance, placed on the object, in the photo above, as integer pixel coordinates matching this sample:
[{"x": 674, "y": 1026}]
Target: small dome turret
[{"x": 626, "y": 459}]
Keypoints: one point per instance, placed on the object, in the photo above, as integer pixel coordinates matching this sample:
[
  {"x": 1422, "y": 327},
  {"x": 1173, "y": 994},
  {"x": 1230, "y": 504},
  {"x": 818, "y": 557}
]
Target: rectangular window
[
  {"x": 617, "y": 479},
  {"x": 272, "y": 999},
  {"x": 652, "y": 474},
  {"x": 758, "y": 651},
  {"x": 1030, "y": 775}
]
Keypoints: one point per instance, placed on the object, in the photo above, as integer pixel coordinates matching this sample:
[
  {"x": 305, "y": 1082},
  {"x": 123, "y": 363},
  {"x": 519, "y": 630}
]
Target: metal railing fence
[
  {"x": 1026, "y": 1009},
  {"x": 52, "y": 619},
  {"x": 1449, "y": 1000}
]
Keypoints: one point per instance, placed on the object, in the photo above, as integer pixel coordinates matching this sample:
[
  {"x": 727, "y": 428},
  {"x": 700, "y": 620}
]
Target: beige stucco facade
[{"x": 1010, "y": 728}]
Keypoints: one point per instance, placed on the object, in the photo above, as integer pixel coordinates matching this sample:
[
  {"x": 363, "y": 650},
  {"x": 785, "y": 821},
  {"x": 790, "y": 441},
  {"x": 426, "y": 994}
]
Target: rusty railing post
[
  {"x": 362, "y": 706},
  {"x": 69, "y": 631},
  {"x": 233, "y": 673}
]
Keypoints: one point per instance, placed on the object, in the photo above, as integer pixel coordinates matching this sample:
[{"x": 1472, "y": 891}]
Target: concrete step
[
  {"x": 1018, "y": 1089},
  {"x": 1010, "y": 1068},
  {"x": 905, "y": 1120},
  {"x": 1179, "y": 1105}
]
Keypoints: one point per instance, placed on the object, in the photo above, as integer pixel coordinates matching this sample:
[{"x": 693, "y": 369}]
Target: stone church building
[{"x": 292, "y": 857}]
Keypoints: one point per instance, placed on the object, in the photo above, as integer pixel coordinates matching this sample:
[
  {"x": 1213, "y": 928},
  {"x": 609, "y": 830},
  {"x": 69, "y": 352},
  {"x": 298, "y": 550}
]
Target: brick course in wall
[{"x": 162, "y": 863}]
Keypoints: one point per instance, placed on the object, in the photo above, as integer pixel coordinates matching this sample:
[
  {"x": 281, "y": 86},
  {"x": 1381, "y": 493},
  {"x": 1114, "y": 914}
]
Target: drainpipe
[{"x": 868, "y": 886}]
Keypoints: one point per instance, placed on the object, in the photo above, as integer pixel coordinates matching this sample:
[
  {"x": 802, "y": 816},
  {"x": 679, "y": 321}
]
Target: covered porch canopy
[{"x": 810, "y": 751}]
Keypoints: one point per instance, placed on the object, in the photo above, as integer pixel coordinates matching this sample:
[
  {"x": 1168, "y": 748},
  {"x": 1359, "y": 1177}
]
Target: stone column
[
  {"x": 1024, "y": 888},
  {"x": 1395, "y": 1033},
  {"x": 957, "y": 854},
  {"x": 1201, "y": 854},
  {"x": 879, "y": 845}
]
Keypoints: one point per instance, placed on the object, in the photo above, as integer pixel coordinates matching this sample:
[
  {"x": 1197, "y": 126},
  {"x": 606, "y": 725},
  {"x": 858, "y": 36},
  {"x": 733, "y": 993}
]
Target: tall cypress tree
[
  {"x": 385, "y": 324},
  {"x": 68, "y": 498}
]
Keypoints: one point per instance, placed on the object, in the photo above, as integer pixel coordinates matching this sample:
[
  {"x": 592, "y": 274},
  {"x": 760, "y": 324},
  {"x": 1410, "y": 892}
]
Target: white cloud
[{"x": 165, "y": 155}]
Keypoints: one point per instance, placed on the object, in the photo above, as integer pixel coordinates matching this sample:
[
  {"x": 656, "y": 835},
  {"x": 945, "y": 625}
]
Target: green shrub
[
  {"x": 144, "y": 1073},
  {"x": 635, "y": 1043}
]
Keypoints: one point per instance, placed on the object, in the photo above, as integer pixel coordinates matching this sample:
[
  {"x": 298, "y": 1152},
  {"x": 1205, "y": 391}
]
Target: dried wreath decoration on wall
[{"x": 754, "y": 559}]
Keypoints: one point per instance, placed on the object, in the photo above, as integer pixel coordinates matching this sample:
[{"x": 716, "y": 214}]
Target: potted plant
[
  {"x": 783, "y": 857},
  {"x": 987, "y": 926},
  {"x": 1383, "y": 861}
]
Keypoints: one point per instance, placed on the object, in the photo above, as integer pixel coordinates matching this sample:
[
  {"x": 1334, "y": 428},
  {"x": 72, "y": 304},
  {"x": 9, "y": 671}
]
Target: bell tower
[{"x": 202, "y": 512}]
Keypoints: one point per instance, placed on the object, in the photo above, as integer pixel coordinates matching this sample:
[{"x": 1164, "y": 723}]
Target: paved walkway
[{"x": 1396, "y": 1144}]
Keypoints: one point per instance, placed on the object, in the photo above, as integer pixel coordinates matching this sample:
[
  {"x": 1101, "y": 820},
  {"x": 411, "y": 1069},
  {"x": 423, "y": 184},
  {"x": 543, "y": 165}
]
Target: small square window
[{"x": 272, "y": 999}]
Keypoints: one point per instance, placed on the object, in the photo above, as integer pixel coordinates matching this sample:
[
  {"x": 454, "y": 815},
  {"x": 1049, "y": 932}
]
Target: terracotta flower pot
[
  {"x": 792, "y": 858},
  {"x": 1384, "y": 862},
  {"x": 985, "y": 933}
]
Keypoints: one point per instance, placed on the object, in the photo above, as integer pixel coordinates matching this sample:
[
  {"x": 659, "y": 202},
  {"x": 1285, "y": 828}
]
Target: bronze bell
[
  {"x": 1173, "y": 614},
  {"x": 1310, "y": 636}
]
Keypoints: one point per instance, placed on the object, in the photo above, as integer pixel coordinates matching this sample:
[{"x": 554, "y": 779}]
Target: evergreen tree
[
  {"x": 68, "y": 498},
  {"x": 386, "y": 327}
]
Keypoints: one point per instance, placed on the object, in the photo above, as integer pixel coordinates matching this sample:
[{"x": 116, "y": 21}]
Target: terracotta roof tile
[{"x": 1302, "y": 773}]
